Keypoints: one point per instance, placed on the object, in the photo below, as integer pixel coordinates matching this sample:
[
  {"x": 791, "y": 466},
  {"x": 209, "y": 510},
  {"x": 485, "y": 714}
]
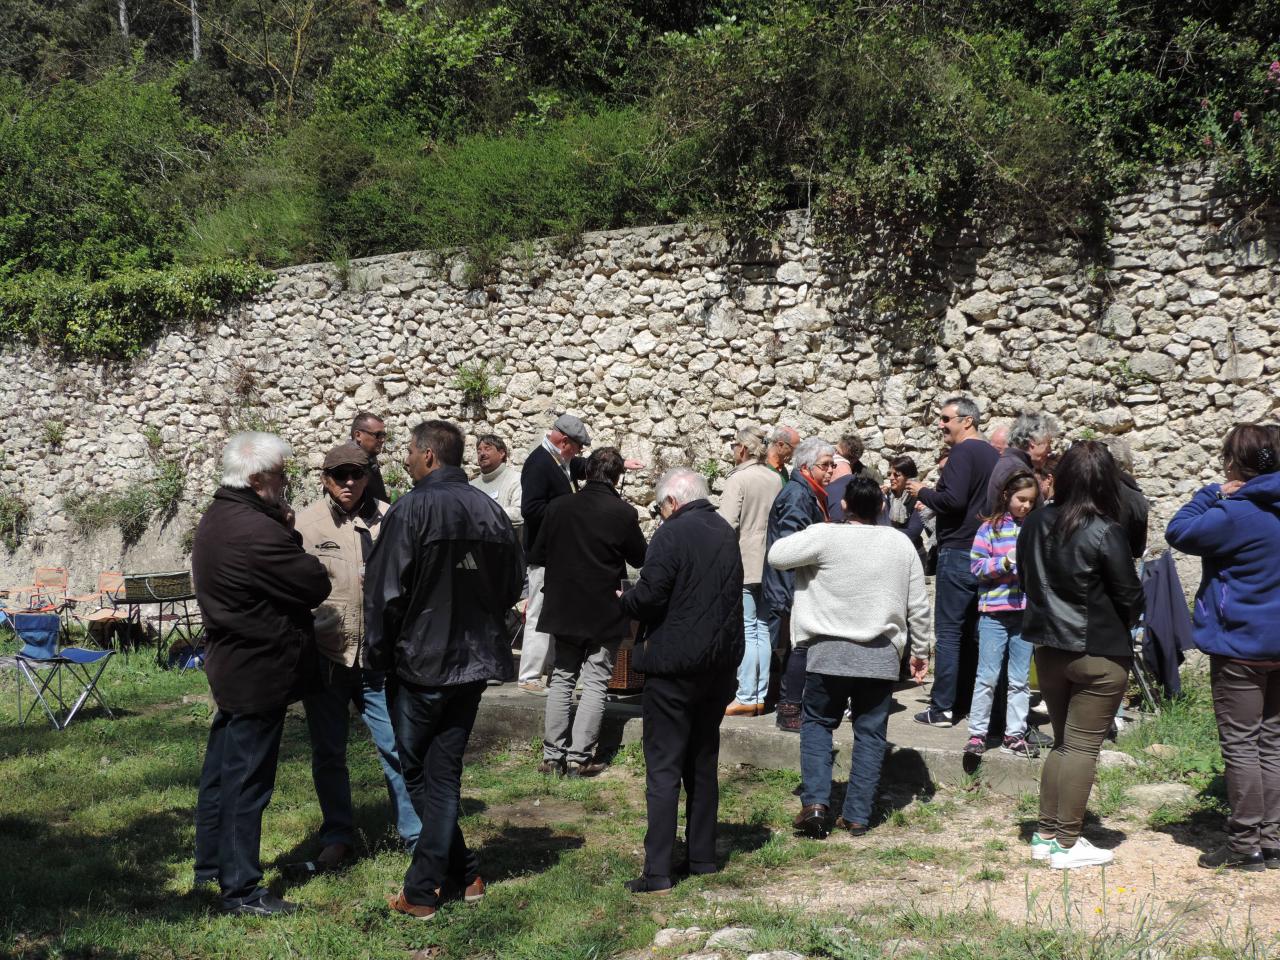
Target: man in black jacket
[
  {"x": 256, "y": 587},
  {"x": 689, "y": 602},
  {"x": 441, "y": 577},
  {"x": 584, "y": 544},
  {"x": 553, "y": 469}
]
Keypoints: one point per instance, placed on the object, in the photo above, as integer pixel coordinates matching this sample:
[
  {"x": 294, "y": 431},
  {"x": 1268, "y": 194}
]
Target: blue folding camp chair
[{"x": 42, "y": 665}]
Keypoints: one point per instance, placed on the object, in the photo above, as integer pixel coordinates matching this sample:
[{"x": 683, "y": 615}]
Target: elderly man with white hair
[
  {"x": 256, "y": 587},
  {"x": 801, "y": 502},
  {"x": 688, "y": 601},
  {"x": 1030, "y": 441}
]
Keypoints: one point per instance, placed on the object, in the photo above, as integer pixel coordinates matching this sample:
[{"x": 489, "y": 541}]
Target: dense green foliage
[{"x": 338, "y": 128}]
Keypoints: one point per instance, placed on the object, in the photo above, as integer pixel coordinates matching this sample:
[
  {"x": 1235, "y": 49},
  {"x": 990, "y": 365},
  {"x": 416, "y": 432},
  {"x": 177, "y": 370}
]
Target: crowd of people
[{"x": 801, "y": 593}]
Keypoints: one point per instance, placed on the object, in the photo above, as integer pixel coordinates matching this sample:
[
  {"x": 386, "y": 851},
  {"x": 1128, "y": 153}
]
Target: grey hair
[
  {"x": 1030, "y": 426},
  {"x": 1121, "y": 452},
  {"x": 964, "y": 408},
  {"x": 682, "y": 485},
  {"x": 783, "y": 434},
  {"x": 810, "y": 450},
  {"x": 249, "y": 453},
  {"x": 753, "y": 439}
]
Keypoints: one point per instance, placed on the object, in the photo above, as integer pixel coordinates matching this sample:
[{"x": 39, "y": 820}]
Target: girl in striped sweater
[{"x": 993, "y": 560}]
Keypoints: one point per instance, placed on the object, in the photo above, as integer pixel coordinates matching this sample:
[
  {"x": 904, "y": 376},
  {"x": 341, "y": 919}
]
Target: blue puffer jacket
[
  {"x": 1237, "y": 611},
  {"x": 794, "y": 508}
]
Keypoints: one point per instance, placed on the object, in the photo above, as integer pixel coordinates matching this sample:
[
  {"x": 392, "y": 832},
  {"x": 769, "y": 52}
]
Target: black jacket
[
  {"x": 541, "y": 481},
  {"x": 585, "y": 543},
  {"x": 960, "y": 497},
  {"x": 256, "y": 587},
  {"x": 794, "y": 508},
  {"x": 443, "y": 573},
  {"x": 1083, "y": 593},
  {"x": 689, "y": 596},
  {"x": 1134, "y": 511}
]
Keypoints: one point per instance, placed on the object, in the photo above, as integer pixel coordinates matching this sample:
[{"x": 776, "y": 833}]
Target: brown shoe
[
  {"x": 739, "y": 709},
  {"x": 399, "y": 904},
  {"x": 475, "y": 892},
  {"x": 551, "y": 768},
  {"x": 592, "y": 768},
  {"x": 852, "y": 829},
  {"x": 812, "y": 821}
]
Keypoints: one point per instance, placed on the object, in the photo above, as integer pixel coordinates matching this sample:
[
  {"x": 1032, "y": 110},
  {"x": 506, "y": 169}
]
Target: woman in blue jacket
[{"x": 1235, "y": 528}]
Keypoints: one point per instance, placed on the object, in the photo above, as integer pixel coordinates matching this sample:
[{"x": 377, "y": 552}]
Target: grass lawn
[{"x": 96, "y": 836}]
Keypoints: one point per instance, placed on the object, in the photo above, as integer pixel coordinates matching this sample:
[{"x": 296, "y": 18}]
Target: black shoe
[
  {"x": 935, "y": 718},
  {"x": 1038, "y": 739},
  {"x": 852, "y": 829},
  {"x": 787, "y": 717},
  {"x": 648, "y": 885},
  {"x": 267, "y": 905},
  {"x": 1226, "y": 858},
  {"x": 1271, "y": 857}
]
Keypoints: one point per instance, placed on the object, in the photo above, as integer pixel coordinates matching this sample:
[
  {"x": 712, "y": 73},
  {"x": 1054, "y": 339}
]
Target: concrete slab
[{"x": 919, "y": 756}]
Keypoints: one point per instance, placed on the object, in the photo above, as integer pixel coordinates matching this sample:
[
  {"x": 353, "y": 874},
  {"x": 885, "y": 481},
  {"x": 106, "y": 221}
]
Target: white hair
[
  {"x": 682, "y": 485},
  {"x": 811, "y": 449},
  {"x": 251, "y": 452}
]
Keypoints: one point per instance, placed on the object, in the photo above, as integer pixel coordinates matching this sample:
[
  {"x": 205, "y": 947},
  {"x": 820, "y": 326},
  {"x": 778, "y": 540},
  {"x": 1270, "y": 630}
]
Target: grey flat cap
[{"x": 573, "y": 428}]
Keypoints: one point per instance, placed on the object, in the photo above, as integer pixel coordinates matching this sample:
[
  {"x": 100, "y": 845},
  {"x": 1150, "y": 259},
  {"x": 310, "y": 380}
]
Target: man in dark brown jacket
[{"x": 256, "y": 587}]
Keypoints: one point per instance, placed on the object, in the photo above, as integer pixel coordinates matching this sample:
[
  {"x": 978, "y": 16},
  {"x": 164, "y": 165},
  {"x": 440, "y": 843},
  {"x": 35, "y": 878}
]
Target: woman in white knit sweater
[{"x": 859, "y": 597}]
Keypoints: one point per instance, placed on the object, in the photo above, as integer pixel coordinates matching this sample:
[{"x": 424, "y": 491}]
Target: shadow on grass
[{"x": 515, "y": 851}]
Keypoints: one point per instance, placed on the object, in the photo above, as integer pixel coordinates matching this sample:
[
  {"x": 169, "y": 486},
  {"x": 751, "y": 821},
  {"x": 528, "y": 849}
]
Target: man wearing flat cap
[
  {"x": 340, "y": 529},
  {"x": 553, "y": 469}
]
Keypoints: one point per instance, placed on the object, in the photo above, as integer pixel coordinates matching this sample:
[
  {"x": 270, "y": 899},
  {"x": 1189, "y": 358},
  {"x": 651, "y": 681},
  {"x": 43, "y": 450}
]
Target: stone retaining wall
[{"x": 667, "y": 339}]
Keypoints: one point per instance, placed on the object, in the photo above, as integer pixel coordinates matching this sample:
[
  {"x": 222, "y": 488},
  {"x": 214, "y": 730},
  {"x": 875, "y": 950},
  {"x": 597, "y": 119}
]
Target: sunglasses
[
  {"x": 946, "y": 419},
  {"x": 346, "y": 475},
  {"x": 380, "y": 434}
]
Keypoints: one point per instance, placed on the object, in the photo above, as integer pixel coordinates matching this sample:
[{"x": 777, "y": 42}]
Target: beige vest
[{"x": 334, "y": 537}]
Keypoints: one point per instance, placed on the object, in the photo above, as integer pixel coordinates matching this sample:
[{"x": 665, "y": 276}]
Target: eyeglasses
[
  {"x": 945, "y": 419},
  {"x": 380, "y": 434},
  {"x": 347, "y": 474}
]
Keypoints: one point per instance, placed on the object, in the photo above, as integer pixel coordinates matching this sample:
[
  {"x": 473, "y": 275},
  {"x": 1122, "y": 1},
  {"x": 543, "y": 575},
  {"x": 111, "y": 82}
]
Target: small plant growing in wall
[
  {"x": 712, "y": 469},
  {"x": 14, "y": 516},
  {"x": 477, "y": 383},
  {"x": 55, "y": 432},
  {"x": 151, "y": 434},
  {"x": 397, "y": 481}
]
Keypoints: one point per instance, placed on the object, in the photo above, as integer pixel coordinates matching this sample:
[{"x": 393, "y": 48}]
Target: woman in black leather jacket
[{"x": 1083, "y": 599}]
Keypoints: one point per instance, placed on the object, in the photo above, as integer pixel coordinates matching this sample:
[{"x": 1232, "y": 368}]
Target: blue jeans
[
  {"x": 327, "y": 713},
  {"x": 954, "y": 604},
  {"x": 998, "y": 632},
  {"x": 433, "y": 725},
  {"x": 753, "y": 672},
  {"x": 825, "y": 697}
]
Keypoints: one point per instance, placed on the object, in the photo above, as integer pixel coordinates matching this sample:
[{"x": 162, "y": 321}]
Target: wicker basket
[
  {"x": 625, "y": 679},
  {"x": 157, "y": 587}
]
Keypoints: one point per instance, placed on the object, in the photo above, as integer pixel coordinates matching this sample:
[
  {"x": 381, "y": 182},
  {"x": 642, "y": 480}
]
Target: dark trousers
[
  {"x": 1246, "y": 701},
  {"x": 236, "y": 782},
  {"x": 825, "y": 698},
  {"x": 791, "y": 659},
  {"x": 1082, "y": 693},
  {"x": 432, "y": 726},
  {"x": 955, "y": 624},
  {"x": 682, "y": 744}
]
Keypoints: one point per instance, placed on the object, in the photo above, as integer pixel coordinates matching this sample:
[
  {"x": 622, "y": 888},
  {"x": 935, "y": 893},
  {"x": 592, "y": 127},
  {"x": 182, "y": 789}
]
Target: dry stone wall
[{"x": 666, "y": 340}]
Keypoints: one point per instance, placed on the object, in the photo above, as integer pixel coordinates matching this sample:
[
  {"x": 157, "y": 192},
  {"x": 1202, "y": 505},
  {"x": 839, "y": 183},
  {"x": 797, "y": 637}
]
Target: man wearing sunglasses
[
  {"x": 369, "y": 433},
  {"x": 340, "y": 528}
]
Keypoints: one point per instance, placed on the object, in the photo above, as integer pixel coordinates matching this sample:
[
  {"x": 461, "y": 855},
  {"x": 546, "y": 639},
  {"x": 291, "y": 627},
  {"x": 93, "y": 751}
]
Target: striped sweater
[{"x": 989, "y": 559}]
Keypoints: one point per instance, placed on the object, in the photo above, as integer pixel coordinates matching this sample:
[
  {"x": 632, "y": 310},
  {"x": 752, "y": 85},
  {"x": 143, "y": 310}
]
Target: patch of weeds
[
  {"x": 712, "y": 469},
  {"x": 476, "y": 382},
  {"x": 131, "y": 508},
  {"x": 15, "y": 515},
  {"x": 989, "y": 875},
  {"x": 151, "y": 435},
  {"x": 995, "y": 844},
  {"x": 55, "y": 432},
  {"x": 397, "y": 481},
  {"x": 910, "y": 853}
]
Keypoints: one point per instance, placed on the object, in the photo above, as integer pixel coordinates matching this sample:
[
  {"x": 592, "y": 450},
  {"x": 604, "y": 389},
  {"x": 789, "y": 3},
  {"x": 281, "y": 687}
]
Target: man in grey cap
[
  {"x": 340, "y": 529},
  {"x": 553, "y": 469}
]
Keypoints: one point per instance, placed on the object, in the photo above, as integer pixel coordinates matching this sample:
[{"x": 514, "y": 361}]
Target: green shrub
[
  {"x": 122, "y": 313},
  {"x": 130, "y": 508},
  {"x": 55, "y": 432},
  {"x": 476, "y": 381}
]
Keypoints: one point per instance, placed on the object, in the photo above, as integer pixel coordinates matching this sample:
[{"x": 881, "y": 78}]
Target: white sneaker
[
  {"x": 1040, "y": 847},
  {"x": 1083, "y": 854}
]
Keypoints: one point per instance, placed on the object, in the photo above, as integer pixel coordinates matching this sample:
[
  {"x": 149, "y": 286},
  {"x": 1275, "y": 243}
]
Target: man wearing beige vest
[{"x": 340, "y": 528}]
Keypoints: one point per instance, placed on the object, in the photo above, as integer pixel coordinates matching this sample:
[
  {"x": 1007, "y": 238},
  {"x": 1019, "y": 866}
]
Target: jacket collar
[
  {"x": 693, "y": 506},
  {"x": 367, "y": 511},
  {"x": 442, "y": 475},
  {"x": 1017, "y": 453},
  {"x": 248, "y": 498},
  {"x": 601, "y": 486}
]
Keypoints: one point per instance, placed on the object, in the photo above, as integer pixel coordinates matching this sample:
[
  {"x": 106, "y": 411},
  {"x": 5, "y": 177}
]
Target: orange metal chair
[
  {"x": 49, "y": 588},
  {"x": 101, "y": 607}
]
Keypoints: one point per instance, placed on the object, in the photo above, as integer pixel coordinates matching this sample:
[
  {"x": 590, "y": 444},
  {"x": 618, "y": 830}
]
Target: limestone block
[
  {"x": 983, "y": 305},
  {"x": 1153, "y": 366},
  {"x": 827, "y": 405},
  {"x": 802, "y": 317},
  {"x": 1118, "y": 320},
  {"x": 1242, "y": 367}
]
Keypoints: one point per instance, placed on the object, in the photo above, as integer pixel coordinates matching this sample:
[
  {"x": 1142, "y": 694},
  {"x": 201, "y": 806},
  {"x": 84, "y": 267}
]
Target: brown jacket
[
  {"x": 334, "y": 537},
  {"x": 749, "y": 493}
]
